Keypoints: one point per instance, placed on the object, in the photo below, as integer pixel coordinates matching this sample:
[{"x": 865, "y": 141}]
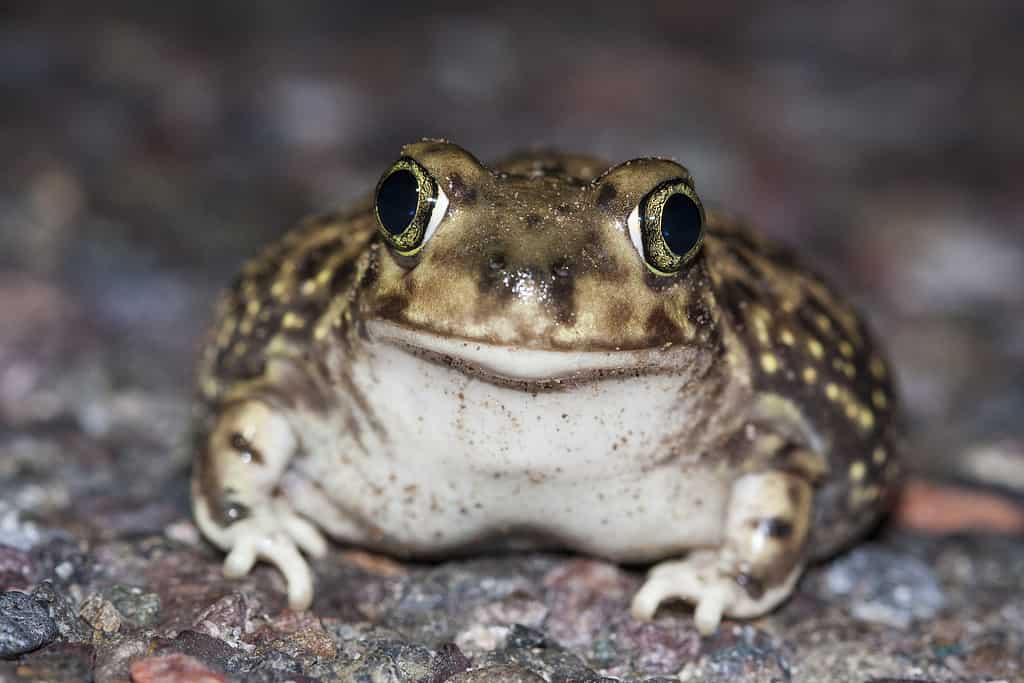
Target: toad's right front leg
[{"x": 236, "y": 502}]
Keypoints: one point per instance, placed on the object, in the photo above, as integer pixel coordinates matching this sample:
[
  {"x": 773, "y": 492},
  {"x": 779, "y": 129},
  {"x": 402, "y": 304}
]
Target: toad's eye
[
  {"x": 667, "y": 227},
  {"x": 409, "y": 206}
]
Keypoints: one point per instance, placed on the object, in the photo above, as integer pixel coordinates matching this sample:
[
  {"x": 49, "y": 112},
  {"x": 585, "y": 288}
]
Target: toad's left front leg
[{"x": 756, "y": 565}]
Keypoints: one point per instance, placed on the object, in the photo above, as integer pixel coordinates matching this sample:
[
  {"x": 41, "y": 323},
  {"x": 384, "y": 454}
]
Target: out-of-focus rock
[{"x": 24, "y": 624}]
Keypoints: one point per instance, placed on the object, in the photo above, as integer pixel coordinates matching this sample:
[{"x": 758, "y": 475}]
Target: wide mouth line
[{"x": 509, "y": 363}]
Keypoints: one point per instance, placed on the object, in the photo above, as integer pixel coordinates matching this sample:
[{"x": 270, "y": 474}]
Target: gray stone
[
  {"x": 885, "y": 586},
  {"x": 25, "y": 624}
]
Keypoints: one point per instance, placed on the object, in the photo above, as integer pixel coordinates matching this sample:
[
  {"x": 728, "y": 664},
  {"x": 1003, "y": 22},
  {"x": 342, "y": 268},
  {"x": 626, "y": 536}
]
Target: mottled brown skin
[{"x": 815, "y": 404}]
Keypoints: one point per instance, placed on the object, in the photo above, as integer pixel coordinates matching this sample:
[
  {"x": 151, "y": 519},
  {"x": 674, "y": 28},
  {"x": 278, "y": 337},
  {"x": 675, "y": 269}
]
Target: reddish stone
[
  {"x": 938, "y": 508},
  {"x": 176, "y": 668}
]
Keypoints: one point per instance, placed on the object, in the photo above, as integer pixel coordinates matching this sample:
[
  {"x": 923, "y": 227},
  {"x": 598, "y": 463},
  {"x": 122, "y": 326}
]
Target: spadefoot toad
[{"x": 548, "y": 352}]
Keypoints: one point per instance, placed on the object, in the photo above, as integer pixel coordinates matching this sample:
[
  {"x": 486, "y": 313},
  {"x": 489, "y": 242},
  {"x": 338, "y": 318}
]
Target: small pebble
[{"x": 101, "y": 614}]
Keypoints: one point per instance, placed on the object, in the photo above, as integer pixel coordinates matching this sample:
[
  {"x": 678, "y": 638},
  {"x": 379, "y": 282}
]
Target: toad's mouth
[{"x": 504, "y": 363}]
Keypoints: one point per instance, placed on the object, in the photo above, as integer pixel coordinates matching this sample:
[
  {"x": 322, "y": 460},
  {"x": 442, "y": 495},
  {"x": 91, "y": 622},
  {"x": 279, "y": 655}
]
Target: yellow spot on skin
[
  {"x": 292, "y": 321},
  {"x": 867, "y": 419},
  {"x": 210, "y": 387},
  {"x": 308, "y": 287},
  {"x": 810, "y": 375},
  {"x": 278, "y": 289},
  {"x": 786, "y": 337},
  {"x": 832, "y": 391},
  {"x": 852, "y": 411},
  {"x": 858, "y": 470},
  {"x": 815, "y": 347},
  {"x": 824, "y": 323},
  {"x": 846, "y": 348},
  {"x": 324, "y": 276},
  {"x": 761, "y": 318},
  {"x": 879, "y": 455},
  {"x": 846, "y": 368},
  {"x": 246, "y": 326},
  {"x": 253, "y": 307},
  {"x": 877, "y": 367},
  {"x": 769, "y": 363},
  {"x": 879, "y": 399}
]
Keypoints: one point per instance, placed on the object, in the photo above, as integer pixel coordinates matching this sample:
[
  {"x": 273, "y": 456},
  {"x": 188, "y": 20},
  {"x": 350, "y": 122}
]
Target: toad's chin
[{"x": 502, "y": 362}]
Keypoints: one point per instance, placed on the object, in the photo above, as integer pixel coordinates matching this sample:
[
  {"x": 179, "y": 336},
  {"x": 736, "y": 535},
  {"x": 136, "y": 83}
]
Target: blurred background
[{"x": 149, "y": 148}]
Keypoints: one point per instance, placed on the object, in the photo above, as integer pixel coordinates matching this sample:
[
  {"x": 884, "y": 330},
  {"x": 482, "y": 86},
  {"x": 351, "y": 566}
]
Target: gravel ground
[{"x": 149, "y": 151}]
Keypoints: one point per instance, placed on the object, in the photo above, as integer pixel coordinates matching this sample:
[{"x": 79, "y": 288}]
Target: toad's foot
[
  {"x": 236, "y": 501},
  {"x": 700, "y": 579},
  {"x": 757, "y": 564},
  {"x": 278, "y": 536}
]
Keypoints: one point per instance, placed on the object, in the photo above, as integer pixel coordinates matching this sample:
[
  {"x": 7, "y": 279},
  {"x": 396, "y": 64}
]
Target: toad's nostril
[
  {"x": 496, "y": 262},
  {"x": 562, "y": 268}
]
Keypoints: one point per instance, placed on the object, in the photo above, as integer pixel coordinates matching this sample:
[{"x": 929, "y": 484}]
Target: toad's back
[{"x": 811, "y": 356}]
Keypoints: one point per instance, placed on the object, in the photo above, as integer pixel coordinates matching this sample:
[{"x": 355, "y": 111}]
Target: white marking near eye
[
  {"x": 436, "y": 214},
  {"x": 633, "y": 222}
]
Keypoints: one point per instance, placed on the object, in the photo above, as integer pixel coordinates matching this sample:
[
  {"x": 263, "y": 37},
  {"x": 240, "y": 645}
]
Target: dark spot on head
[
  {"x": 774, "y": 527},
  {"x": 459, "y": 191},
  {"x": 660, "y": 327},
  {"x": 564, "y": 209},
  {"x": 563, "y": 294},
  {"x": 561, "y": 268},
  {"x": 607, "y": 195},
  {"x": 551, "y": 167},
  {"x": 532, "y": 219},
  {"x": 493, "y": 277},
  {"x": 392, "y": 306}
]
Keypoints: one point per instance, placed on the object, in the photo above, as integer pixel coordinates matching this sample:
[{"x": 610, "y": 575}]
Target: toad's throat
[{"x": 544, "y": 367}]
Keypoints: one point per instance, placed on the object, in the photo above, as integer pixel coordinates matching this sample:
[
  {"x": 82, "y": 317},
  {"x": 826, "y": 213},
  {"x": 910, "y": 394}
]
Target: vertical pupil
[
  {"x": 680, "y": 224},
  {"x": 397, "y": 200}
]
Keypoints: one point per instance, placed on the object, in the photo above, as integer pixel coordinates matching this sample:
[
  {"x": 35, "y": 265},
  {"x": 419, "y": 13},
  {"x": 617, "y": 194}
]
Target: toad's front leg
[
  {"x": 757, "y": 564},
  {"x": 236, "y": 502}
]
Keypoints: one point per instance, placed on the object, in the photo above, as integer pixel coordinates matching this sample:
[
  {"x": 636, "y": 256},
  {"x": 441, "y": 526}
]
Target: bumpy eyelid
[{"x": 622, "y": 188}]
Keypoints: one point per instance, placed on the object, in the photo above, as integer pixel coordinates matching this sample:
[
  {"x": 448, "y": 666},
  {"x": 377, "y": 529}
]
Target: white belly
[{"x": 457, "y": 459}]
